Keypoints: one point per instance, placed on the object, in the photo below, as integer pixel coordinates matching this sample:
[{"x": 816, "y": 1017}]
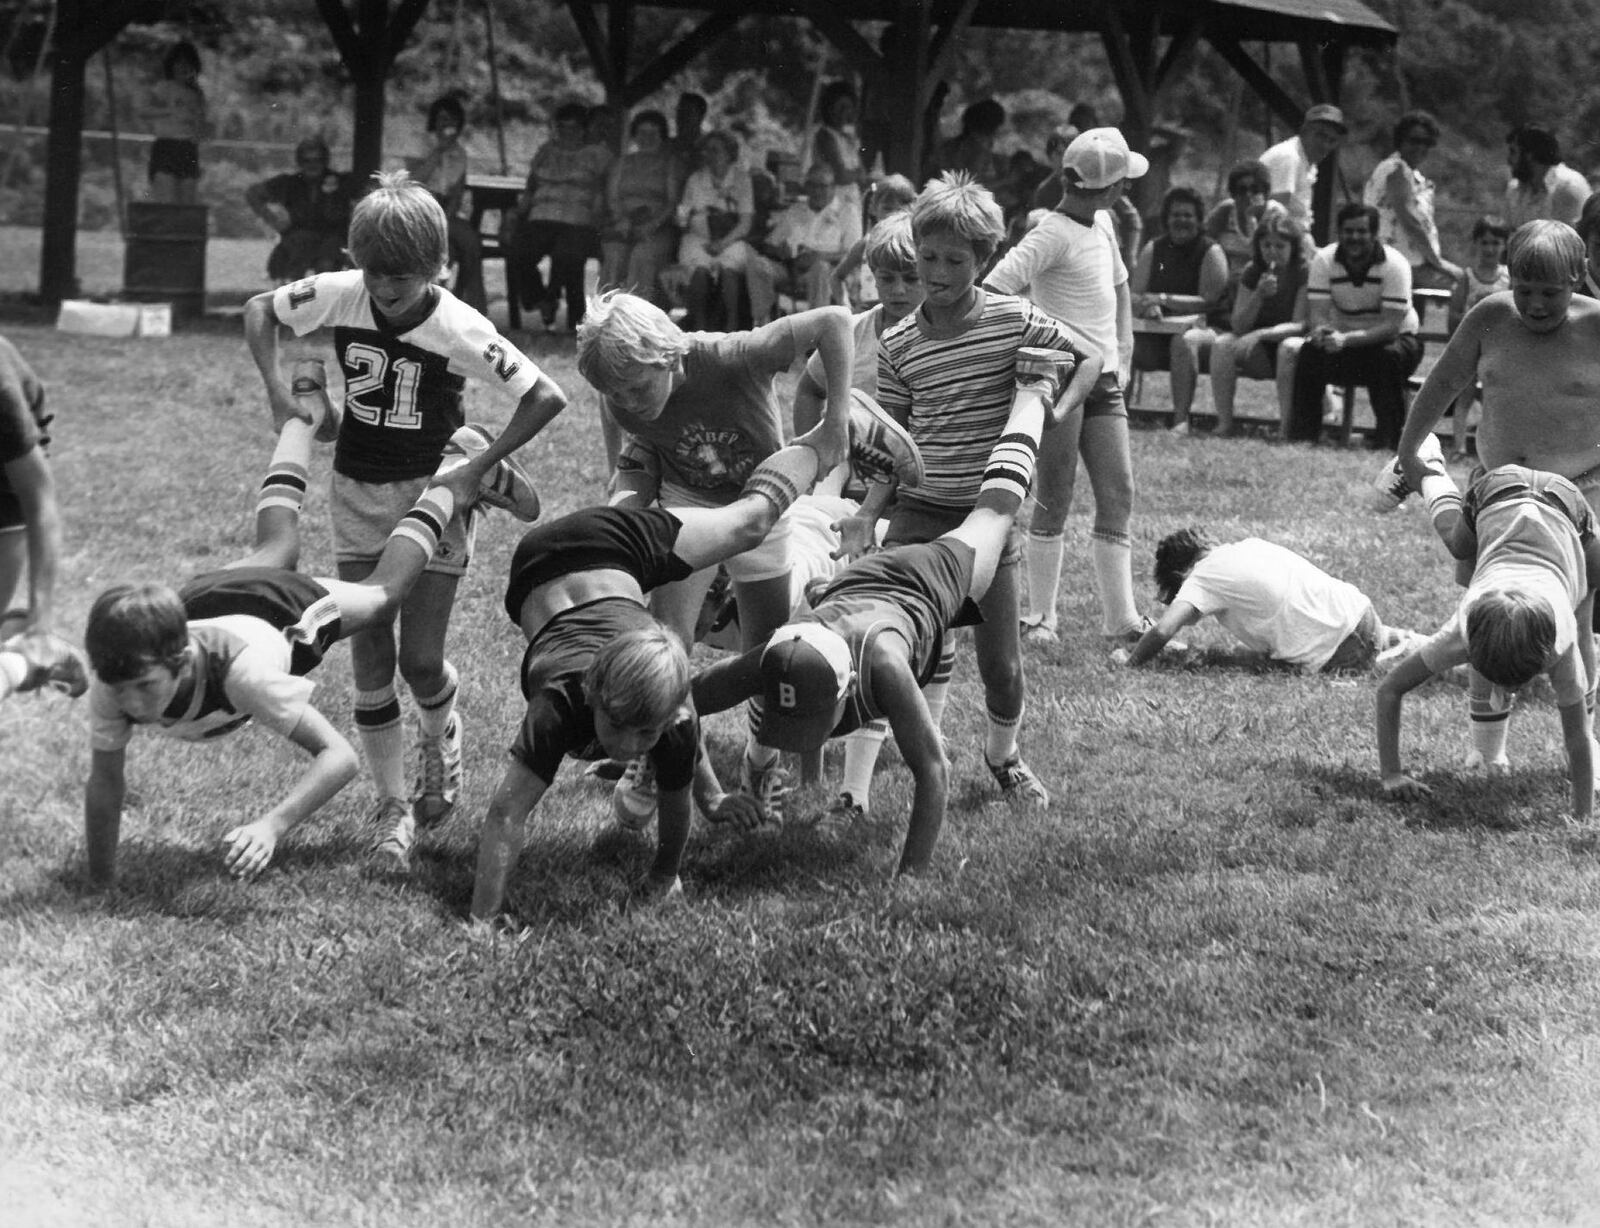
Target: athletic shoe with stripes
[
  {"x": 880, "y": 448},
  {"x": 506, "y": 486}
]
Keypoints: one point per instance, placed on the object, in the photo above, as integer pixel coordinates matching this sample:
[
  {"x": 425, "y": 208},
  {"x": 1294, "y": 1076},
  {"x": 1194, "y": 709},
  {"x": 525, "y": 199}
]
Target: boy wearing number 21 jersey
[{"x": 406, "y": 347}]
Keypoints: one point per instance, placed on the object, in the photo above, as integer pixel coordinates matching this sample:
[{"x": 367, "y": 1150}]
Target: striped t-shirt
[{"x": 954, "y": 392}]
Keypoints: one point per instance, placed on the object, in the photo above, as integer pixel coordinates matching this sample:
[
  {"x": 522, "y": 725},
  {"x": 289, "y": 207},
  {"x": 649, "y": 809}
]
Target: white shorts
[{"x": 365, "y": 513}]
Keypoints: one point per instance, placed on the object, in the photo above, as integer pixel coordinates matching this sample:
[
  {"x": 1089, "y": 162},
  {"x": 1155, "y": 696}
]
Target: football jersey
[
  {"x": 240, "y": 670},
  {"x": 402, "y": 397}
]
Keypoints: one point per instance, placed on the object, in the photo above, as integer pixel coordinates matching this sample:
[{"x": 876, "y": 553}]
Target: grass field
[{"x": 1220, "y": 981}]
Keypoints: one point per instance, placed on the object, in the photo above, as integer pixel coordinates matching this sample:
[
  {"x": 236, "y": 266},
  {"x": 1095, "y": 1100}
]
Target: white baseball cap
[{"x": 1100, "y": 157}]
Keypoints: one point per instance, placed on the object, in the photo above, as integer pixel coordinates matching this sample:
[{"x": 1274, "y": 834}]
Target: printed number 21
[{"x": 366, "y": 368}]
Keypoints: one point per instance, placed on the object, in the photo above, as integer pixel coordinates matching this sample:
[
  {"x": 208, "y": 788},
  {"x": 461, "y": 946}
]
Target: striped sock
[
  {"x": 288, "y": 474},
  {"x": 383, "y": 740},
  {"x": 1490, "y": 723},
  {"x": 425, "y": 523},
  {"x": 936, "y": 693},
  {"x": 783, "y": 477},
  {"x": 1000, "y": 745},
  {"x": 1442, "y": 496},
  {"x": 1112, "y": 554},
  {"x": 1011, "y": 464},
  {"x": 433, "y": 711}
]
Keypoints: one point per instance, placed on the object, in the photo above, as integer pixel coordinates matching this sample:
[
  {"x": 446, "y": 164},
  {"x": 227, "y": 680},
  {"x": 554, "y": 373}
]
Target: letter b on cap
[{"x": 786, "y": 695}]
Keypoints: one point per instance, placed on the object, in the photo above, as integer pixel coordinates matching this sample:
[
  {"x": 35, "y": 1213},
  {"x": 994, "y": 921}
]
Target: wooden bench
[{"x": 497, "y": 194}]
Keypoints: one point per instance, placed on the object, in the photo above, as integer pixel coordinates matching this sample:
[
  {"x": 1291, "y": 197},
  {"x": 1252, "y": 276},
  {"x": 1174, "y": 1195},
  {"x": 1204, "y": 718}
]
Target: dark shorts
[
  {"x": 1105, "y": 399},
  {"x": 297, "y": 605},
  {"x": 638, "y": 541},
  {"x": 913, "y": 522},
  {"x": 180, "y": 159},
  {"x": 1358, "y": 650},
  {"x": 11, "y": 517}
]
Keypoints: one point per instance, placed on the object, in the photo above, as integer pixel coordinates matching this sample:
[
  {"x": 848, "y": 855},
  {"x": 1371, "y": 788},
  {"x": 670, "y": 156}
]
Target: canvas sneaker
[
  {"x": 1039, "y": 632},
  {"x": 1018, "y": 783},
  {"x": 1045, "y": 372},
  {"x": 393, "y": 834},
  {"x": 506, "y": 486},
  {"x": 1390, "y": 487},
  {"x": 880, "y": 448},
  {"x": 438, "y": 775},
  {"x": 51, "y": 662},
  {"x": 636, "y": 797},
  {"x": 769, "y": 786}
]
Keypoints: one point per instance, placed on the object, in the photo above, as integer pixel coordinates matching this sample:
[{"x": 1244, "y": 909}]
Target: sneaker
[
  {"x": 880, "y": 448},
  {"x": 506, "y": 486},
  {"x": 1040, "y": 633},
  {"x": 308, "y": 382},
  {"x": 51, "y": 662},
  {"x": 393, "y": 834},
  {"x": 1391, "y": 488},
  {"x": 842, "y": 814},
  {"x": 438, "y": 775},
  {"x": 1018, "y": 784},
  {"x": 1045, "y": 372},
  {"x": 636, "y": 797},
  {"x": 769, "y": 786},
  {"x": 1476, "y": 763}
]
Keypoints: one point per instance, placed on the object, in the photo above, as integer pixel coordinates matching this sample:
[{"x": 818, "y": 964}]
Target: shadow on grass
[{"x": 1526, "y": 800}]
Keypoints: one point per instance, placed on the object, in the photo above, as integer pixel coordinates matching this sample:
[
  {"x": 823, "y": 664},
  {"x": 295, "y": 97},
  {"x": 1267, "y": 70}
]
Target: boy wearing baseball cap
[
  {"x": 1070, "y": 265},
  {"x": 876, "y": 632}
]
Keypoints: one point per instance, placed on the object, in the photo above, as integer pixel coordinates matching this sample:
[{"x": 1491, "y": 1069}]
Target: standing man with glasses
[{"x": 310, "y": 210}]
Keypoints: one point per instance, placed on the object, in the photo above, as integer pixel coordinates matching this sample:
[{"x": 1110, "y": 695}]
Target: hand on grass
[
  {"x": 248, "y": 849},
  {"x": 738, "y": 810},
  {"x": 1403, "y": 788}
]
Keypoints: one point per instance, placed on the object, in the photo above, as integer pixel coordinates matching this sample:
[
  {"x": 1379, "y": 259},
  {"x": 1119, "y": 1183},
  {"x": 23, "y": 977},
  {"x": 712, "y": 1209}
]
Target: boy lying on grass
[
  {"x": 236, "y": 644},
  {"x": 1526, "y": 611}
]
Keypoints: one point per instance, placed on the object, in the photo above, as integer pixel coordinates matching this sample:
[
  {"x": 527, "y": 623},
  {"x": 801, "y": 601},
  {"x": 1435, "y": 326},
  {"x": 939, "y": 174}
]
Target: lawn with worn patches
[{"x": 1220, "y": 981}]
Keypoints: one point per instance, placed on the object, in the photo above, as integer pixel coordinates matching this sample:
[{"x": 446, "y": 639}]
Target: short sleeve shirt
[
  {"x": 723, "y": 419},
  {"x": 240, "y": 672},
  {"x": 403, "y": 390},
  {"x": 1272, "y": 600},
  {"x": 1072, "y": 271},
  {"x": 954, "y": 392},
  {"x": 1359, "y": 302},
  {"x": 1293, "y": 173}
]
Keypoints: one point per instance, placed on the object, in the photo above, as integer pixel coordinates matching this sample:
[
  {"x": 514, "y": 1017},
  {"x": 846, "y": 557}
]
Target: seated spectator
[
  {"x": 837, "y": 144},
  {"x": 1180, "y": 272},
  {"x": 639, "y": 238},
  {"x": 810, "y": 238},
  {"x": 1542, "y": 185},
  {"x": 1269, "y": 317},
  {"x": 1362, "y": 329},
  {"x": 972, "y": 150},
  {"x": 1232, "y": 223},
  {"x": 443, "y": 171},
  {"x": 310, "y": 210},
  {"x": 1403, "y": 196},
  {"x": 852, "y": 276},
  {"x": 558, "y": 215},
  {"x": 688, "y": 119},
  {"x": 715, "y": 213}
]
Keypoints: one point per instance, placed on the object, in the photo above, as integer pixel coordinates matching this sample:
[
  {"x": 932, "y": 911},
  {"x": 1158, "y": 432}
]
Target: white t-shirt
[
  {"x": 1072, "y": 271},
  {"x": 240, "y": 667},
  {"x": 1274, "y": 601},
  {"x": 1292, "y": 172}
]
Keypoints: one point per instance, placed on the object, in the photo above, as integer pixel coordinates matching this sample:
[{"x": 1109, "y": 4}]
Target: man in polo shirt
[
  {"x": 1542, "y": 185},
  {"x": 1362, "y": 329},
  {"x": 1292, "y": 164}
]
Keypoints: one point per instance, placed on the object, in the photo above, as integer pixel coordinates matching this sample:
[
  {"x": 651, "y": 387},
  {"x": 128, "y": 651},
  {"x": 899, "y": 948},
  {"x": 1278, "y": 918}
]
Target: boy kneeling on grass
[
  {"x": 236, "y": 644},
  {"x": 1527, "y": 610},
  {"x": 602, "y": 677}
]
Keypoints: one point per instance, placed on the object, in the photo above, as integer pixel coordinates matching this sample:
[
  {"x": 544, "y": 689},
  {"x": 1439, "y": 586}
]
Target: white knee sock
[
  {"x": 383, "y": 739},
  {"x": 1113, "y": 573},
  {"x": 433, "y": 711},
  {"x": 1044, "y": 578},
  {"x": 860, "y": 758}
]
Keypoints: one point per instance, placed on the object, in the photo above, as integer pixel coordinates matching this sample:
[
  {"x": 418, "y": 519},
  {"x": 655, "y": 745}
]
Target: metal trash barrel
[{"x": 164, "y": 259}]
